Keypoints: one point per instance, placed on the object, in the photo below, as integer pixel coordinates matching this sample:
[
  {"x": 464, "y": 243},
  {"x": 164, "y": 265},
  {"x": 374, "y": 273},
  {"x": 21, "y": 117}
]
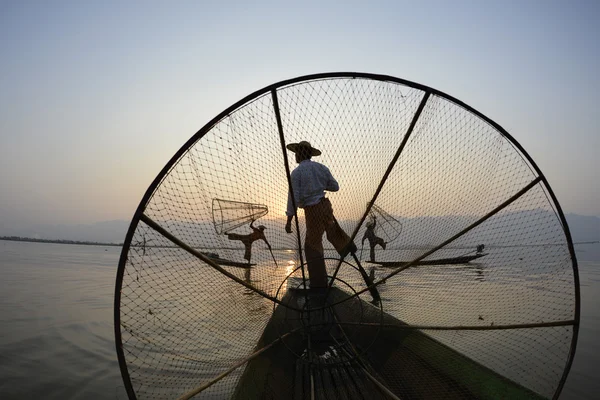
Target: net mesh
[{"x": 194, "y": 316}]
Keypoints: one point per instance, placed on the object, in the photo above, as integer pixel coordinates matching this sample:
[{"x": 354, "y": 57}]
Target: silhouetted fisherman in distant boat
[
  {"x": 309, "y": 181},
  {"x": 374, "y": 240},
  {"x": 480, "y": 248},
  {"x": 247, "y": 240}
]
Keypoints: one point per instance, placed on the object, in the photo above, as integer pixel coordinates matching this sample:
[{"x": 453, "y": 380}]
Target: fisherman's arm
[
  {"x": 291, "y": 210},
  {"x": 332, "y": 184}
]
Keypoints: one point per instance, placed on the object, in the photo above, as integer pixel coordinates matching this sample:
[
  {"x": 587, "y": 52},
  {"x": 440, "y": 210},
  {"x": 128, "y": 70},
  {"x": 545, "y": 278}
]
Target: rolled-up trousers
[{"x": 319, "y": 220}]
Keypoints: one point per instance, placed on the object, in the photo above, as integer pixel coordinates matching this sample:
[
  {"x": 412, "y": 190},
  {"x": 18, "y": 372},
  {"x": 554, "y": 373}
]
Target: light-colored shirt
[{"x": 310, "y": 180}]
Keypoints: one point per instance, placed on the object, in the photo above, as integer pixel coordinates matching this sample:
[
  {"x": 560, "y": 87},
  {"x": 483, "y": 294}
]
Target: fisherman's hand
[{"x": 288, "y": 227}]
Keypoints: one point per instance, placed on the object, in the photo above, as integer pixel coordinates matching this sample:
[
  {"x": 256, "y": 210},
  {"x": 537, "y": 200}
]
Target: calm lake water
[{"x": 57, "y": 337}]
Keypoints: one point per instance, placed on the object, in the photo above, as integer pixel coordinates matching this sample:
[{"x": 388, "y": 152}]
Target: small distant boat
[
  {"x": 228, "y": 263},
  {"x": 441, "y": 261}
]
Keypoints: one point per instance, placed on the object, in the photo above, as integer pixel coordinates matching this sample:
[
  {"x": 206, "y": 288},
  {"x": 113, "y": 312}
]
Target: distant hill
[
  {"x": 583, "y": 229},
  {"x": 104, "y": 232}
]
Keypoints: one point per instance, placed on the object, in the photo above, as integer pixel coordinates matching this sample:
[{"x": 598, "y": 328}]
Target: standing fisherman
[
  {"x": 374, "y": 240},
  {"x": 247, "y": 240},
  {"x": 309, "y": 182}
]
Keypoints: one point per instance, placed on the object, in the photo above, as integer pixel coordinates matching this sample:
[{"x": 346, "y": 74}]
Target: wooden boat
[
  {"x": 441, "y": 261},
  {"x": 337, "y": 356},
  {"x": 228, "y": 263}
]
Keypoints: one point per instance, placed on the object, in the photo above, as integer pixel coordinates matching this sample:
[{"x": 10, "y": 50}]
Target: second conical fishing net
[{"x": 387, "y": 226}]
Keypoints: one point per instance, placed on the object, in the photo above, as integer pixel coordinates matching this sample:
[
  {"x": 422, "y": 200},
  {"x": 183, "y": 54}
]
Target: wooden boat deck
[{"x": 404, "y": 363}]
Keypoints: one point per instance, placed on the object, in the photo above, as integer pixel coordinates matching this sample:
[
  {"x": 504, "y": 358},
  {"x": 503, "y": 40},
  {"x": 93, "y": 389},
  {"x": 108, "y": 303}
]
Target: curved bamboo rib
[
  {"x": 208, "y": 261},
  {"x": 193, "y": 392},
  {"x": 286, "y": 163},
  {"x": 569, "y": 322},
  {"x": 387, "y": 173},
  {"x": 496, "y": 210},
  {"x": 448, "y": 241}
]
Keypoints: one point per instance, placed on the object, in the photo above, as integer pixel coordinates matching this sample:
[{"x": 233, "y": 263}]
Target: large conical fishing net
[
  {"x": 228, "y": 215},
  {"x": 434, "y": 323}
]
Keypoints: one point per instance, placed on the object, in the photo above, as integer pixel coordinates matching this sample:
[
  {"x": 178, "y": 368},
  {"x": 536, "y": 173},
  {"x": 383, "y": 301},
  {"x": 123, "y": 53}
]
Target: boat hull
[
  {"x": 440, "y": 261},
  {"x": 230, "y": 263},
  {"x": 406, "y": 362}
]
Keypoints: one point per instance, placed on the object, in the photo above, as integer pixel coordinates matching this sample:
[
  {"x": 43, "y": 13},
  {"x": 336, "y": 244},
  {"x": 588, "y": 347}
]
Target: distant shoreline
[{"x": 57, "y": 241}]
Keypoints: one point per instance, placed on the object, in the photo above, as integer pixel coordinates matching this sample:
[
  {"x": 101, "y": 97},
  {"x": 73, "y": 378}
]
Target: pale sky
[{"x": 95, "y": 97}]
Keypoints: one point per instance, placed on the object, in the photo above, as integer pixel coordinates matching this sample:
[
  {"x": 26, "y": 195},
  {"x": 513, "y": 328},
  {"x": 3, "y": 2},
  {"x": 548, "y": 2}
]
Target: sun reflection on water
[{"x": 289, "y": 268}]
